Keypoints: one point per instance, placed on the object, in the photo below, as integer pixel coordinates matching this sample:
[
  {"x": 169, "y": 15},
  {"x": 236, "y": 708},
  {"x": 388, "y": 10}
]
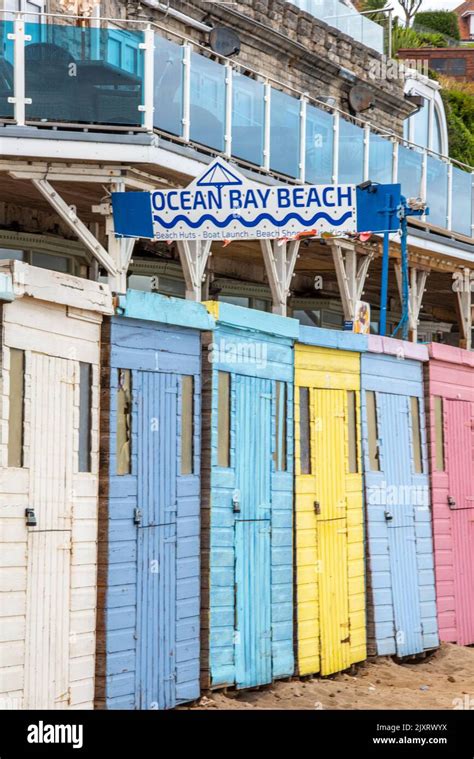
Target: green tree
[{"x": 444, "y": 22}]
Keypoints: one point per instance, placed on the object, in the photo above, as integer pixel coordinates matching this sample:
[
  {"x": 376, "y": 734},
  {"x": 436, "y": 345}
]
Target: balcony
[
  {"x": 132, "y": 79},
  {"x": 347, "y": 20}
]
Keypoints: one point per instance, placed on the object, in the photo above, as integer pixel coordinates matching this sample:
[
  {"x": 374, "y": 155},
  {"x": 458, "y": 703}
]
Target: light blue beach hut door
[
  {"x": 252, "y": 507},
  {"x": 156, "y": 398},
  {"x": 393, "y": 412}
]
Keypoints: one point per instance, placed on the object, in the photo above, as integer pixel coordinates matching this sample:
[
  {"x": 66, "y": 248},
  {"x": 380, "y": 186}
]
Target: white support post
[
  {"x": 335, "y": 149},
  {"x": 366, "y": 151},
  {"x": 395, "y": 162},
  {"x": 228, "y": 110},
  {"x": 69, "y": 216},
  {"x": 449, "y": 207},
  {"x": 194, "y": 255},
  {"x": 186, "y": 91},
  {"x": 148, "y": 46},
  {"x": 424, "y": 179},
  {"x": 280, "y": 259},
  {"x": 19, "y": 100},
  {"x": 416, "y": 291},
  {"x": 302, "y": 161},
  {"x": 266, "y": 126},
  {"x": 464, "y": 311},
  {"x": 350, "y": 274}
]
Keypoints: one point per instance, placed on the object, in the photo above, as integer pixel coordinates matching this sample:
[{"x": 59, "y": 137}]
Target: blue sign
[{"x": 222, "y": 204}]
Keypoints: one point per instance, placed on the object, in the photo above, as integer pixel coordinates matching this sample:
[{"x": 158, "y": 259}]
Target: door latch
[
  {"x": 317, "y": 507},
  {"x": 236, "y": 502},
  {"x": 137, "y": 516},
  {"x": 388, "y": 516},
  {"x": 451, "y": 502},
  {"x": 30, "y": 518}
]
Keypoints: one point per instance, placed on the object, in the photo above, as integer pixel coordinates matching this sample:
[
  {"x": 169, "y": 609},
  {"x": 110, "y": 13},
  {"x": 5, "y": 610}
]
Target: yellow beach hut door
[
  {"x": 330, "y": 509},
  {"x": 50, "y": 447},
  {"x": 329, "y": 514}
]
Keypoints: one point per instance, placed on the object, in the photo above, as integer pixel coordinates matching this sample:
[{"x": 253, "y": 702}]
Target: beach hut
[
  {"x": 148, "y": 617},
  {"x": 450, "y": 402},
  {"x": 247, "y": 498},
  {"x": 330, "y": 573},
  {"x": 49, "y": 486},
  {"x": 401, "y": 586}
]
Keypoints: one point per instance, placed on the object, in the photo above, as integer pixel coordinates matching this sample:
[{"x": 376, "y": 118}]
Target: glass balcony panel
[
  {"x": 345, "y": 18},
  {"x": 380, "y": 159},
  {"x": 168, "y": 92},
  {"x": 6, "y": 69},
  {"x": 437, "y": 191},
  {"x": 284, "y": 133},
  {"x": 319, "y": 145},
  {"x": 82, "y": 75},
  {"x": 351, "y": 153},
  {"x": 207, "y": 117},
  {"x": 248, "y": 115},
  {"x": 409, "y": 171},
  {"x": 463, "y": 199}
]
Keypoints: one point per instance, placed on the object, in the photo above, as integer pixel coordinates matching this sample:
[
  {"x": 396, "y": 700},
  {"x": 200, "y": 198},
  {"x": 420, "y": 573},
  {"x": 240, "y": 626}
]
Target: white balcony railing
[{"x": 131, "y": 76}]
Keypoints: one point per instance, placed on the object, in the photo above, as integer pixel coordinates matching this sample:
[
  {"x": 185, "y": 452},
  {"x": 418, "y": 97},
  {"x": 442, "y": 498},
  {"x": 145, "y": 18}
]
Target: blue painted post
[{"x": 384, "y": 287}]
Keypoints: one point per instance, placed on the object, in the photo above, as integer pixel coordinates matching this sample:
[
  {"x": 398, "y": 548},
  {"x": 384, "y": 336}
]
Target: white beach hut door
[{"x": 50, "y": 422}]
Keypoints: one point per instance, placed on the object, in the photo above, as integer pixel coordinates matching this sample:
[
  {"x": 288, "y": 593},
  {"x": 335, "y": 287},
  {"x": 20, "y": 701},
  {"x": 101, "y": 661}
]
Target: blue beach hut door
[
  {"x": 252, "y": 507},
  {"x": 397, "y": 452},
  {"x": 156, "y": 414}
]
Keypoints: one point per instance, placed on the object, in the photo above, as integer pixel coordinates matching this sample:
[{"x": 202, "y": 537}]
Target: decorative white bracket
[
  {"x": 69, "y": 216},
  {"x": 351, "y": 275},
  {"x": 194, "y": 255},
  {"x": 464, "y": 310},
  {"x": 280, "y": 259},
  {"x": 418, "y": 279}
]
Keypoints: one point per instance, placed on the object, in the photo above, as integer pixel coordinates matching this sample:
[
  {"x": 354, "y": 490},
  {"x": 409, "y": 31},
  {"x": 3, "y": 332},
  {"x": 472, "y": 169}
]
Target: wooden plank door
[
  {"x": 253, "y": 451},
  {"x": 50, "y": 453},
  {"x": 329, "y": 433},
  {"x": 459, "y": 452},
  {"x": 396, "y": 452},
  {"x": 157, "y": 420}
]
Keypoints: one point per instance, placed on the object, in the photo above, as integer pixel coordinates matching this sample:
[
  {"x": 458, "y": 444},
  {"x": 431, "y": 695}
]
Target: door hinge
[
  {"x": 451, "y": 502},
  {"x": 137, "y": 516},
  {"x": 317, "y": 508}
]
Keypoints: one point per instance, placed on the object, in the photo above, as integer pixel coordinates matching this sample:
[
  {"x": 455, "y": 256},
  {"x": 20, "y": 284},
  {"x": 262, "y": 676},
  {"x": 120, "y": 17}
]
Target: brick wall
[{"x": 445, "y": 54}]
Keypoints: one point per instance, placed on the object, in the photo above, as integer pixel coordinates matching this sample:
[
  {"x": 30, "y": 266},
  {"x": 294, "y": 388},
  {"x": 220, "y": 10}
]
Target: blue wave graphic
[{"x": 233, "y": 217}]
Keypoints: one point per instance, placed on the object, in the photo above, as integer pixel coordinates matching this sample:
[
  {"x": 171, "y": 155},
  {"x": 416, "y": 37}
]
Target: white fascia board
[
  {"x": 100, "y": 152},
  {"x": 430, "y": 246}
]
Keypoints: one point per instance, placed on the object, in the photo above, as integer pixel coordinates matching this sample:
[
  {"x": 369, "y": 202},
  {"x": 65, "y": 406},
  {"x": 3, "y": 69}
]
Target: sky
[{"x": 429, "y": 5}]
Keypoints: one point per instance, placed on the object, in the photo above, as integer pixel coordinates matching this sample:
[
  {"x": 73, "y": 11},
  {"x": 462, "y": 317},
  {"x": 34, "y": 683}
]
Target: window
[
  {"x": 124, "y": 421},
  {"x": 439, "y": 434},
  {"x": 305, "y": 431},
  {"x": 416, "y": 434},
  {"x": 187, "y": 425},
  {"x": 223, "y": 419},
  {"x": 85, "y": 421},
  {"x": 280, "y": 428},
  {"x": 352, "y": 432},
  {"x": 449, "y": 66},
  {"x": 372, "y": 431},
  {"x": 17, "y": 407}
]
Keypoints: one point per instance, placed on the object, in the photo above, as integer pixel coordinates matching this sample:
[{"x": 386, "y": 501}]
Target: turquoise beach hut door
[{"x": 252, "y": 507}]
